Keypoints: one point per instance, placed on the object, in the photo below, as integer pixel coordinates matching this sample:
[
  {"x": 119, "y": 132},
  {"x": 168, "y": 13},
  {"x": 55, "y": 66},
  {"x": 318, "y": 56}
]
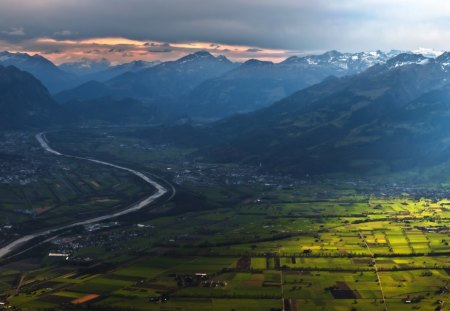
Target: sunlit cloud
[
  {"x": 239, "y": 29},
  {"x": 98, "y": 41},
  {"x": 119, "y": 50}
]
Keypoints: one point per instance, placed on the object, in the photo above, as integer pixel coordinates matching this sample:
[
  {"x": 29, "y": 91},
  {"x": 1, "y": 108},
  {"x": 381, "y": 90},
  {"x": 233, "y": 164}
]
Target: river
[{"x": 160, "y": 191}]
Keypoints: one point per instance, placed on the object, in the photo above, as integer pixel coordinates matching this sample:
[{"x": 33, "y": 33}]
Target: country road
[{"x": 160, "y": 191}]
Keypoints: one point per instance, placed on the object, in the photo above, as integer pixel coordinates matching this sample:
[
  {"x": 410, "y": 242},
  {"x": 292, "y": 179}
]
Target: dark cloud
[
  {"x": 281, "y": 24},
  {"x": 159, "y": 48},
  {"x": 14, "y": 31},
  {"x": 239, "y": 29},
  {"x": 117, "y": 50},
  {"x": 96, "y": 51},
  {"x": 55, "y": 51}
]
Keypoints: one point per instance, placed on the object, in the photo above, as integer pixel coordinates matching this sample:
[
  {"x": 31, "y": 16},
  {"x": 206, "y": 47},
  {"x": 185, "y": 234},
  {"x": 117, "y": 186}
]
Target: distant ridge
[{"x": 51, "y": 76}]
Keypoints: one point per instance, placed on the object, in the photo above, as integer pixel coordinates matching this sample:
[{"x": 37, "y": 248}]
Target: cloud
[
  {"x": 291, "y": 26},
  {"x": 159, "y": 48},
  {"x": 282, "y": 24},
  {"x": 14, "y": 31},
  {"x": 120, "y": 50},
  {"x": 254, "y": 50},
  {"x": 63, "y": 33},
  {"x": 50, "y": 52}
]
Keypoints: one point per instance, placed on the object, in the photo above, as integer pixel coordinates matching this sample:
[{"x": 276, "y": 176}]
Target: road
[
  {"x": 375, "y": 268},
  {"x": 160, "y": 191}
]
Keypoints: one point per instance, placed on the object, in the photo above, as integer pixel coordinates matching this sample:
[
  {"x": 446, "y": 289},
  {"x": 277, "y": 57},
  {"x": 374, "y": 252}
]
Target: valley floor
[{"x": 236, "y": 239}]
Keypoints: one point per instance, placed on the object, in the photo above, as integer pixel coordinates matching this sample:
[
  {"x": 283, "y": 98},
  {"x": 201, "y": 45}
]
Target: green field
[{"x": 309, "y": 246}]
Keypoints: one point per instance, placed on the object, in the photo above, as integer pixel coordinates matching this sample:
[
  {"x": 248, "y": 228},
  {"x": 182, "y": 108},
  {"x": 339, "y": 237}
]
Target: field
[
  {"x": 38, "y": 191},
  {"x": 318, "y": 245}
]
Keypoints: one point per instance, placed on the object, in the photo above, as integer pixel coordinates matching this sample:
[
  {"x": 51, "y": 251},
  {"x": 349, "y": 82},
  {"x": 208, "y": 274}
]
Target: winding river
[{"x": 160, "y": 191}]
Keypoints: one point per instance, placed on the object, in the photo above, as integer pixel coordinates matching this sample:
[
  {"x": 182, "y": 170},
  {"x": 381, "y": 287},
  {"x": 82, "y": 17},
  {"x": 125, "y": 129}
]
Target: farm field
[
  {"x": 53, "y": 191},
  {"x": 259, "y": 246},
  {"x": 342, "y": 265}
]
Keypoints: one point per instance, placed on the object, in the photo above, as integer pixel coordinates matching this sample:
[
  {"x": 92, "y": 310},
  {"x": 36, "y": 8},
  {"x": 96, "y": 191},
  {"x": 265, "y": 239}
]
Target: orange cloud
[{"x": 120, "y": 50}]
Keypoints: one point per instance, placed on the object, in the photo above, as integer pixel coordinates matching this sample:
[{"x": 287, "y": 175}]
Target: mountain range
[
  {"x": 50, "y": 75},
  {"x": 109, "y": 110},
  {"x": 103, "y": 70},
  {"x": 201, "y": 85},
  {"x": 390, "y": 117},
  {"x": 86, "y": 66},
  {"x": 71, "y": 74},
  {"x": 167, "y": 80},
  {"x": 376, "y": 113},
  {"x": 364, "y": 122},
  {"x": 257, "y": 84},
  {"x": 25, "y": 103}
]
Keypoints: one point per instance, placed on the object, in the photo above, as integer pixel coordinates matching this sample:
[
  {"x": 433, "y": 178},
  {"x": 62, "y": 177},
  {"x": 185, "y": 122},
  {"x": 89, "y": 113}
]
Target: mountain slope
[
  {"x": 115, "y": 71},
  {"x": 116, "y": 111},
  {"x": 51, "y": 76},
  {"x": 102, "y": 70},
  {"x": 351, "y": 124},
  {"x": 25, "y": 102},
  {"x": 89, "y": 91},
  {"x": 167, "y": 80},
  {"x": 256, "y": 84},
  {"x": 85, "y": 66},
  {"x": 173, "y": 78}
]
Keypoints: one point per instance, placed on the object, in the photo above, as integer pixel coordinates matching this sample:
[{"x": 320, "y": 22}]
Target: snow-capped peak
[
  {"x": 349, "y": 62},
  {"x": 200, "y": 55},
  {"x": 404, "y": 59},
  {"x": 222, "y": 58},
  {"x": 428, "y": 52},
  {"x": 444, "y": 59},
  {"x": 256, "y": 62}
]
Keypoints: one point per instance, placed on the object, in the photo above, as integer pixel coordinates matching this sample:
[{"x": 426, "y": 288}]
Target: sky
[{"x": 125, "y": 30}]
